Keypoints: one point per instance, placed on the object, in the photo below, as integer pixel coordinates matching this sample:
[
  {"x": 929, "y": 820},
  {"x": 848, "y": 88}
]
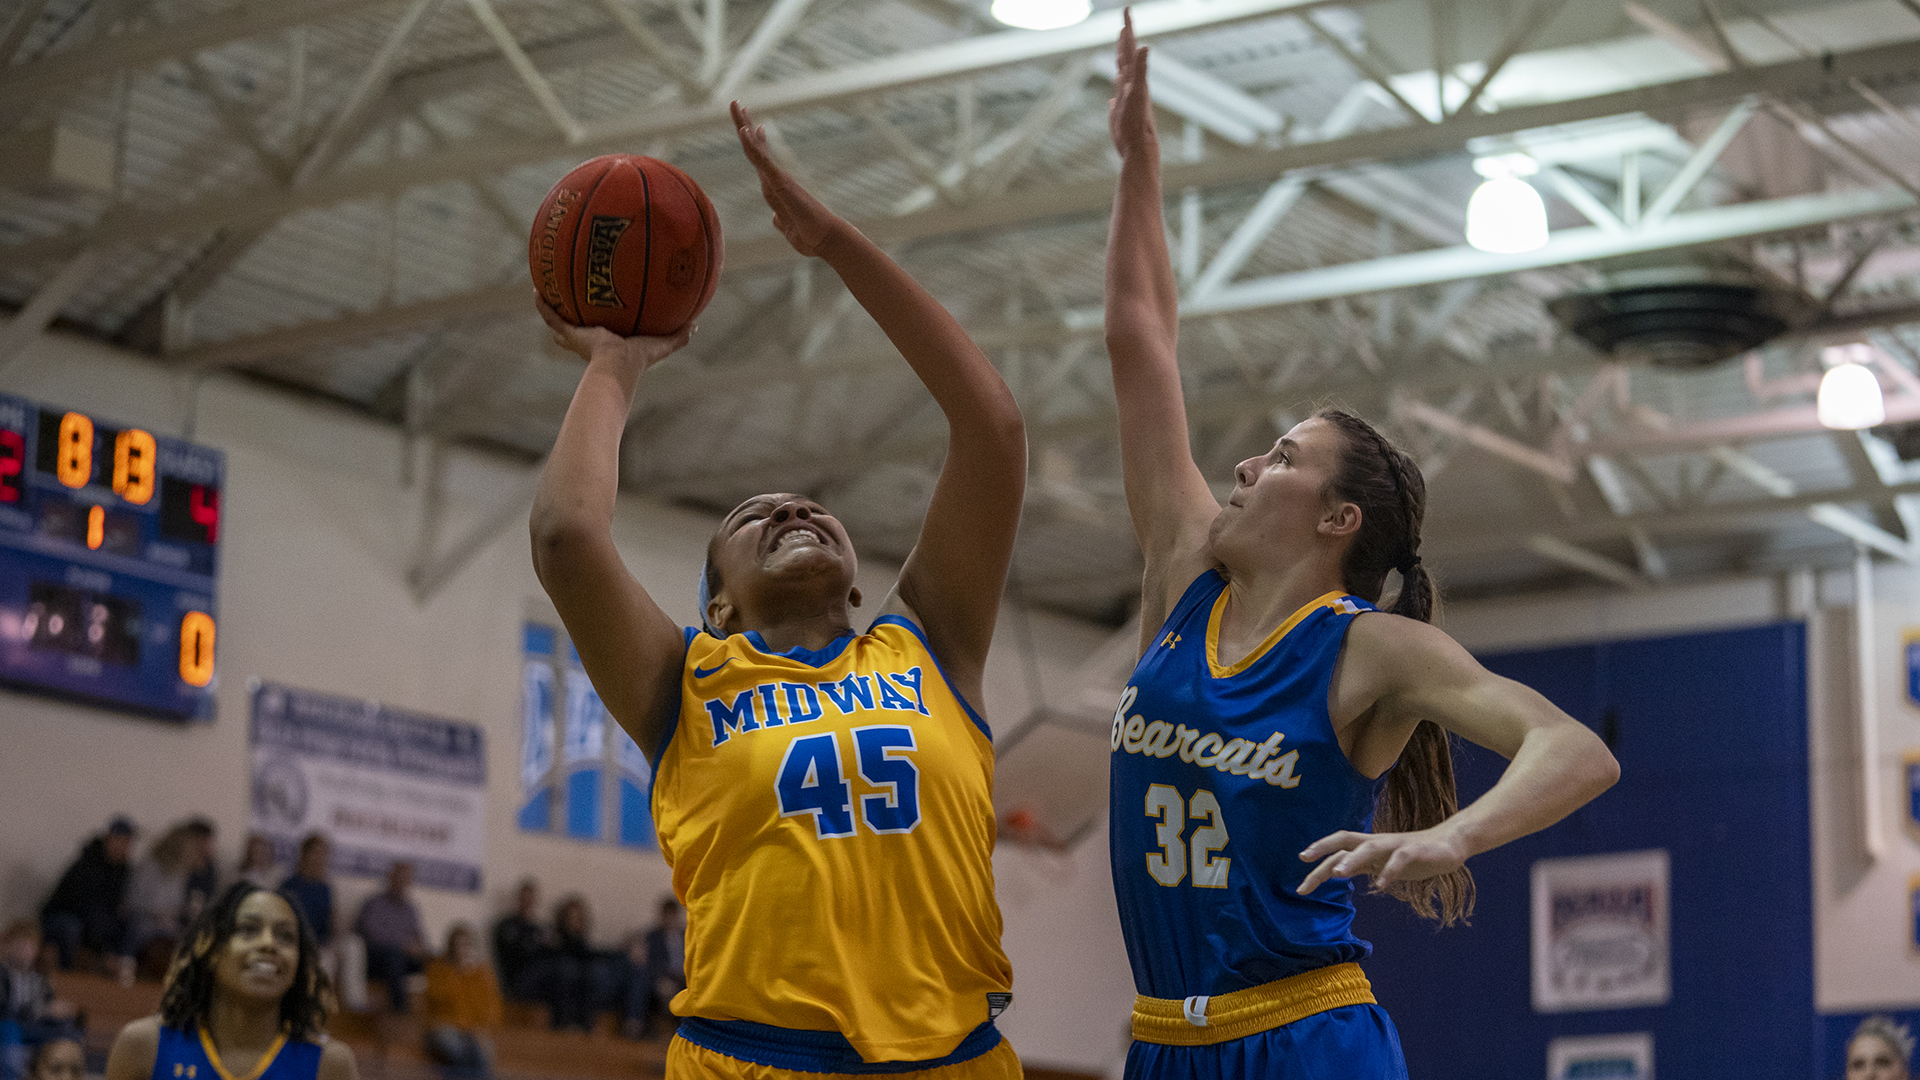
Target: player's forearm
[
  {"x": 1558, "y": 769},
  {"x": 1142, "y": 299},
  {"x": 976, "y": 401},
  {"x": 581, "y": 480}
]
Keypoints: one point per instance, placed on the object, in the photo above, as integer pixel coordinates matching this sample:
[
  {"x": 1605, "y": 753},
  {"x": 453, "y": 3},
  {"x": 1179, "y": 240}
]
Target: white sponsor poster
[
  {"x": 1601, "y": 1057},
  {"x": 1600, "y": 932},
  {"x": 384, "y": 784}
]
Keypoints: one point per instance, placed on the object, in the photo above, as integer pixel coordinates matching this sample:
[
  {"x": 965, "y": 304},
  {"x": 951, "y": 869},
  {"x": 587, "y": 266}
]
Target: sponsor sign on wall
[
  {"x": 1910, "y": 652},
  {"x": 1601, "y": 1057},
  {"x": 385, "y": 785},
  {"x": 1600, "y": 932}
]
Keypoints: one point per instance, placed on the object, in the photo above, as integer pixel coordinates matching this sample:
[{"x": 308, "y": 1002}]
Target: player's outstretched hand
[
  {"x": 1387, "y": 857},
  {"x": 797, "y": 214},
  {"x": 1130, "y": 110},
  {"x": 585, "y": 341}
]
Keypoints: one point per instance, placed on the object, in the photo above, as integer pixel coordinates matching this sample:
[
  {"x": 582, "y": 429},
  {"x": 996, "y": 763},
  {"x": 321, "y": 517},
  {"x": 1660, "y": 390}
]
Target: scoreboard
[{"x": 109, "y": 554}]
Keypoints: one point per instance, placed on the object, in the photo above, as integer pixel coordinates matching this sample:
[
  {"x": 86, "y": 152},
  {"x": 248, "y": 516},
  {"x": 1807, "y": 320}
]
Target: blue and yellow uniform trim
[{"x": 183, "y": 1056}]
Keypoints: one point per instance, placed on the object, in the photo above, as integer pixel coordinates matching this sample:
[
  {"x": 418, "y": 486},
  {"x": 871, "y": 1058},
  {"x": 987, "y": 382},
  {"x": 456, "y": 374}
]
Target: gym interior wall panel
[{"x": 1710, "y": 731}]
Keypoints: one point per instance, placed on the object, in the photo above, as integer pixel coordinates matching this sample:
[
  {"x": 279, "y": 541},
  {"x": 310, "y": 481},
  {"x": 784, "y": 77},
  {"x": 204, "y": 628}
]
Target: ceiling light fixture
[
  {"x": 1041, "y": 14},
  {"x": 1506, "y": 215},
  {"x": 1850, "y": 396}
]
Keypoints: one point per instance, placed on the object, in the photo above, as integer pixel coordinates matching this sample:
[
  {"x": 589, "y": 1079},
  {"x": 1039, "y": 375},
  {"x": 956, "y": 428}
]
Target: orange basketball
[{"x": 626, "y": 242}]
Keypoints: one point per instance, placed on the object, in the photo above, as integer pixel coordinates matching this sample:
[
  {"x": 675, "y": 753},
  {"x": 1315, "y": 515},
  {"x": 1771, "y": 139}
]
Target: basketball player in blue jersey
[
  {"x": 1278, "y": 738},
  {"x": 823, "y": 796},
  {"x": 244, "y": 1000}
]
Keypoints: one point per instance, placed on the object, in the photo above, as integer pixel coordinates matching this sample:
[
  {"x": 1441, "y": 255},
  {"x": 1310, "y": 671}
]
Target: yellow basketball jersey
[{"x": 828, "y": 816}]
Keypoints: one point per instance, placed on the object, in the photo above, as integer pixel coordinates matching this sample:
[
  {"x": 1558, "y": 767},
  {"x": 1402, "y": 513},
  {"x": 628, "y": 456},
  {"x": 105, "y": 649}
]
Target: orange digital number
[
  {"x": 96, "y": 527},
  {"x": 133, "y": 458},
  {"x": 196, "y": 648},
  {"x": 75, "y": 465}
]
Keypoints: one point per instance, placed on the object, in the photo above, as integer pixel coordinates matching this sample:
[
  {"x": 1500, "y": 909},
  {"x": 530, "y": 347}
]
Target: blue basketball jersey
[
  {"x": 1221, "y": 775},
  {"x": 184, "y": 1056}
]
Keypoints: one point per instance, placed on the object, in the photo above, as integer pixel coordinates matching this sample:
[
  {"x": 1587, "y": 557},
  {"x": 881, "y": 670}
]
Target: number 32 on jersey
[
  {"x": 812, "y": 781},
  {"x": 1169, "y": 865}
]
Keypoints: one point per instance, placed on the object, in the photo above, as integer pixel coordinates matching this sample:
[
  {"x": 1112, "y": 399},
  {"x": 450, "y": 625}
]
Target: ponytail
[{"x": 1392, "y": 496}]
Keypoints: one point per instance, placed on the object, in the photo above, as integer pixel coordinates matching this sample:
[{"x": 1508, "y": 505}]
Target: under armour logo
[
  {"x": 1172, "y": 639},
  {"x": 186, "y": 1071},
  {"x": 1195, "y": 1010}
]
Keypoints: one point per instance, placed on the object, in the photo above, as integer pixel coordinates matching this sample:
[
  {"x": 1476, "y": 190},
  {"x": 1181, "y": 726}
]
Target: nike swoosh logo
[{"x": 702, "y": 672}]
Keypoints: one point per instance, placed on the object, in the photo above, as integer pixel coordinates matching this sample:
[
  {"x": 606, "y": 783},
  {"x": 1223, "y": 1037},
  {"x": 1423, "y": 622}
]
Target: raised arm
[
  {"x": 1171, "y": 504},
  {"x": 952, "y": 580},
  {"x": 630, "y": 648},
  {"x": 1397, "y": 672}
]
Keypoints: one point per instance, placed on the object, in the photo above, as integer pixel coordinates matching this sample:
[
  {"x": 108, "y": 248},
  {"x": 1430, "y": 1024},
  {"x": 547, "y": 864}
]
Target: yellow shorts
[{"x": 685, "y": 1061}]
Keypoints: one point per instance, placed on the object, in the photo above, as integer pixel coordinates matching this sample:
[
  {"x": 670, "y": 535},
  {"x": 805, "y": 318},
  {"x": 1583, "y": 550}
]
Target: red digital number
[
  {"x": 13, "y": 455},
  {"x": 203, "y": 503}
]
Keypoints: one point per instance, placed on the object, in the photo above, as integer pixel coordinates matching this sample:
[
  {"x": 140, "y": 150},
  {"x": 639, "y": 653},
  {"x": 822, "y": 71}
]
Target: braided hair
[
  {"x": 1386, "y": 485},
  {"x": 186, "y": 999}
]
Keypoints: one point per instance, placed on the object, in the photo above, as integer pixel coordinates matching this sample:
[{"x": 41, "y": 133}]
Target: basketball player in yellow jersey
[{"x": 823, "y": 795}]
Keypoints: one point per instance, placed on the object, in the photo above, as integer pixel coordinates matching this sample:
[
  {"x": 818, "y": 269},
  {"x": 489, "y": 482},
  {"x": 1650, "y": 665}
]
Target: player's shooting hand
[
  {"x": 797, "y": 214},
  {"x": 1386, "y": 857},
  {"x": 1130, "y": 110},
  {"x": 588, "y": 341}
]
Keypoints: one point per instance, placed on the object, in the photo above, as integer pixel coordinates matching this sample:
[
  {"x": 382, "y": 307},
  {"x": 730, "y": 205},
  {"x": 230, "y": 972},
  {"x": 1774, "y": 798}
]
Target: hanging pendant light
[
  {"x": 1850, "y": 396},
  {"x": 1041, "y": 14},
  {"x": 1506, "y": 215}
]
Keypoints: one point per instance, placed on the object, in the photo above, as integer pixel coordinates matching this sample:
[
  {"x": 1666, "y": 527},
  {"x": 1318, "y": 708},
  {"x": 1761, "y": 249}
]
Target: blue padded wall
[{"x": 1711, "y": 733}]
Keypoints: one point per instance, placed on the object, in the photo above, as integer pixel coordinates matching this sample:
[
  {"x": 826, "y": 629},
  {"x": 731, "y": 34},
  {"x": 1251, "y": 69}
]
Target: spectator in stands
[
  {"x": 463, "y": 1008},
  {"x": 1879, "y": 1050},
  {"x": 30, "y": 1015},
  {"x": 660, "y": 972},
  {"x": 87, "y": 909},
  {"x": 576, "y": 975},
  {"x": 256, "y": 863},
  {"x": 169, "y": 887},
  {"x": 58, "y": 1059},
  {"x": 390, "y": 925},
  {"x": 308, "y": 889},
  {"x": 520, "y": 944}
]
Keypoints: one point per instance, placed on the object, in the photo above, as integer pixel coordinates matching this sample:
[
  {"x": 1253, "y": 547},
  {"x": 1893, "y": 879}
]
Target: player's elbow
[
  {"x": 560, "y": 540},
  {"x": 1600, "y": 768}
]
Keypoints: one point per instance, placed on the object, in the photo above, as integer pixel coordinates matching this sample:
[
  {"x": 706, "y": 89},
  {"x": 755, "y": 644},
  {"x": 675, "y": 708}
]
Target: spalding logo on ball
[{"x": 626, "y": 242}]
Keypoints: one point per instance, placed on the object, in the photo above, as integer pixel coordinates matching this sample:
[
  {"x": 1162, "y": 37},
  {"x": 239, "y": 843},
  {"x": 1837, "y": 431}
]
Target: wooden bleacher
[{"x": 389, "y": 1047}]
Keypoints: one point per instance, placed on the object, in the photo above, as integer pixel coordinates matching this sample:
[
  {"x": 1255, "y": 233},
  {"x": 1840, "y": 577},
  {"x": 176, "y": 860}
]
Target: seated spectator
[
  {"x": 169, "y": 886},
  {"x": 519, "y": 944},
  {"x": 658, "y": 970},
  {"x": 87, "y": 909},
  {"x": 390, "y": 925},
  {"x": 256, "y": 863},
  {"x": 463, "y": 1008},
  {"x": 1879, "y": 1050},
  {"x": 30, "y": 1015},
  {"x": 58, "y": 1059},
  {"x": 307, "y": 886},
  {"x": 577, "y": 977}
]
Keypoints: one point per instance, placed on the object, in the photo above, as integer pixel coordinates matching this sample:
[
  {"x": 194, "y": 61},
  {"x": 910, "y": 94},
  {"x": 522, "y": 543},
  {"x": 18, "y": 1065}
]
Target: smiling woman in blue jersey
[
  {"x": 1279, "y": 738},
  {"x": 824, "y": 796},
  {"x": 244, "y": 1000}
]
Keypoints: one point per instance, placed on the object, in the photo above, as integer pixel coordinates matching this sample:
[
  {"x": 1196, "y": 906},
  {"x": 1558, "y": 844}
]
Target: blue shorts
[{"x": 1353, "y": 1042}]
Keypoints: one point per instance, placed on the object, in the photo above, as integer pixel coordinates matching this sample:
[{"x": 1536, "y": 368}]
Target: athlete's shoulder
[
  {"x": 336, "y": 1061},
  {"x": 135, "y": 1050},
  {"x": 1390, "y": 651}
]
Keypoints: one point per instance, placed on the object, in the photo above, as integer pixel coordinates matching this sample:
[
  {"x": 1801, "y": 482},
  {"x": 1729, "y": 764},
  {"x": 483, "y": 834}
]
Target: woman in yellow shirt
[{"x": 463, "y": 1006}]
